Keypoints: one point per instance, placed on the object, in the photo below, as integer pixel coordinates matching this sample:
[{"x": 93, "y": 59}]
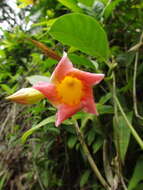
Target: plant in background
[{"x": 25, "y": 3}]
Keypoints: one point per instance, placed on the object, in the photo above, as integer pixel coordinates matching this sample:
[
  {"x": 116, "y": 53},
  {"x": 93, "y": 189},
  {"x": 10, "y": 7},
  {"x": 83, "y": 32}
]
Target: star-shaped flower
[{"x": 70, "y": 90}]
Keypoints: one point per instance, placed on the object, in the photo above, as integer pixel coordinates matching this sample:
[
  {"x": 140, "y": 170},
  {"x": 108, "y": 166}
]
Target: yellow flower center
[{"x": 70, "y": 90}]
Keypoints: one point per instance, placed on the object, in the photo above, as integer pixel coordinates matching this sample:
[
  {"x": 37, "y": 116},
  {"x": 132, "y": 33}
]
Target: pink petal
[
  {"x": 62, "y": 69},
  {"x": 48, "y": 90},
  {"x": 65, "y": 111},
  {"x": 88, "y": 103},
  {"x": 88, "y": 78}
]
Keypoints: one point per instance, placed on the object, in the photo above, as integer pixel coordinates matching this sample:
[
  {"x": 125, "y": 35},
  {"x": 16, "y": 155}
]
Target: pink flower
[{"x": 70, "y": 90}]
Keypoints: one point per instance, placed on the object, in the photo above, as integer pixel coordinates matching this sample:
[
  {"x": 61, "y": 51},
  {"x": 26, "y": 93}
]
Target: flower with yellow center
[{"x": 69, "y": 90}]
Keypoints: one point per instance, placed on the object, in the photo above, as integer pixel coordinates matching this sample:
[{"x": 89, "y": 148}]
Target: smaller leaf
[
  {"x": 37, "y": 78},
  {"x": 72, "y": 141},
  {"x": 104, "y": 109},
  {"x": 110, "y": 8},
  {"x": 33, "y": 129},
  {"x": 6, "y": 88},
  {"x": 91, "y": 136},
  {"x": 3, "y": 180},
  {"x": 137, "y": 174},
  {"x": 84, "y": 178},
  {"x": 97, "y": 145},
  {"x": 105, "y": 98},
  {"x": 81, "y": 61},
  {"x": 53, "y": 130}
]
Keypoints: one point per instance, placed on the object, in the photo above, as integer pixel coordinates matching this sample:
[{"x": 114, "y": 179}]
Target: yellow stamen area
[{"x": 70, "y": 90}]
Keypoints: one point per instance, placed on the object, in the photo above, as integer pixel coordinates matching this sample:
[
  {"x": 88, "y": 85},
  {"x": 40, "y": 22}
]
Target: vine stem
[
  {"x": 133, "y": 131},
  {"x": 134, "y": 81},
  {"x": 89, "y": 157}
]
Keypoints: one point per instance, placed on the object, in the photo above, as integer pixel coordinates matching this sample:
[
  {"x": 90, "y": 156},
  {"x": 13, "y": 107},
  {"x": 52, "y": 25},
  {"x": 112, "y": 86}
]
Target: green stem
[
  {"x": 135, "y": 76},
  {"x": 133, "y": 131},
  {"x": 89, "y": 157}
]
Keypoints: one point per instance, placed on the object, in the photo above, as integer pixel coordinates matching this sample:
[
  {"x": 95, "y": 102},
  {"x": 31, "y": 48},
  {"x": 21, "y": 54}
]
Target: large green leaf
[
  {"x": 137, "y": 174},
  {"x": 82, "y": 32},
  {"x": 71, "y": 4}
]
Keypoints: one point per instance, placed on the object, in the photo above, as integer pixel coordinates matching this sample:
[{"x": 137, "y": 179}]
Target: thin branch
[
  {"x": 103, "y": 11},
  {"x": 46, "y": 50},
  {"x": 134, "y": 82},
  {"x": 89, "y": 157}
]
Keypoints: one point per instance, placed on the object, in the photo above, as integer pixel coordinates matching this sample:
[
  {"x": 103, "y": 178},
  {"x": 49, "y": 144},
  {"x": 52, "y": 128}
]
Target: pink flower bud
[{"x": 26, "y": 96}]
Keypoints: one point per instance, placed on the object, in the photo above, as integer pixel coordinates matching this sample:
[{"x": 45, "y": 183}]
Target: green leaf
[
  {"x": 97, "y": 145},
  {"x": 104, "y": 109},
  {"x": 105, "y": 98},
  {"x": 6, "y": 88},
  {"x": 110, "y": 8},
  {"x": 81, "y": 61},
  {"x": 124, "y": 134},
  {"x": 3, "y": 181},
  {"x": 82, "y": 32},
  {"x": 84, "y": 178},
  {"x": 137, "y": 174},
  {"x": 53, "y": 130},
  {"x": 33, "y": 129},
  {"x": 72, "y": 141},
  {"x": 91, "y": 136},
  {"x": 37, "y": 78},
  {"x": 71, "y": 4},
  {"x": 139, "y": 186}
]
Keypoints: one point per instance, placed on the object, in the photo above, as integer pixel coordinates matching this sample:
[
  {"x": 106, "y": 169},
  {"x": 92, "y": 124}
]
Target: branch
[
  {"x": 133, "y": 131},
  {"x": 134, "y": 81},
  {"x": 89, "y": 157},
  {"x": 47, "y": 51}
]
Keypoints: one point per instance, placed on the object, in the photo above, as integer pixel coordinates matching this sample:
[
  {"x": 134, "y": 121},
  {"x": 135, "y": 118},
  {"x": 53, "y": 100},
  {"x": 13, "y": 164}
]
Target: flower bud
[{"x": 26, "y": 96}]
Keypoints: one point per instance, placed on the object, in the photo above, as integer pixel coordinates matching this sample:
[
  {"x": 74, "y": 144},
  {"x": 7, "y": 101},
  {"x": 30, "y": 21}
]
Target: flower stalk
[
  {"x": 89, "y": 157},
  {"x": 133, "y": 131}
]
